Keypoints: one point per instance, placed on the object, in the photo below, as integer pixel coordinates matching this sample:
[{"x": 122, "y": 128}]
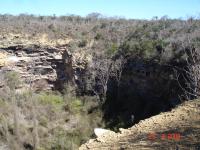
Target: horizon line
[{"x": 103, "y": 16}]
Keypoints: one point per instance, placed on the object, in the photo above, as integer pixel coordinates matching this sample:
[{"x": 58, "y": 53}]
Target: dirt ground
[{"x": 178, "y": 129}]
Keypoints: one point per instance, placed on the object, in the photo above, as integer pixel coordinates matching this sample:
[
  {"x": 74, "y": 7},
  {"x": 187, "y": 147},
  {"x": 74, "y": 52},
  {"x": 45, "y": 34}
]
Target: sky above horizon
[{"x": 135, "y": 9}]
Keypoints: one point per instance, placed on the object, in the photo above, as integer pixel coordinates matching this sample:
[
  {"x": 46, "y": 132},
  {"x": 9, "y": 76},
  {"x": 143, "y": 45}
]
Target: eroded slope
[{"x": 185, "y": 120}]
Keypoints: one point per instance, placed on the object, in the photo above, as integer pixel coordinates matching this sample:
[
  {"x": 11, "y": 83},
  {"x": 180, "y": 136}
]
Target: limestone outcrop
[{"x": 46, "y": 67}]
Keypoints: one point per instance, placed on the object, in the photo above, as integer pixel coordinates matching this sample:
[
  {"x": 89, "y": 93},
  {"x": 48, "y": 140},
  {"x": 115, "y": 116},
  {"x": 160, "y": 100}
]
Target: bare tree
[
  {"x": 118, "y": 67},
  {"x": 117, "y": 70},
  {"x": 101, "y": 71},
  {"x": 189, "y": 77}
]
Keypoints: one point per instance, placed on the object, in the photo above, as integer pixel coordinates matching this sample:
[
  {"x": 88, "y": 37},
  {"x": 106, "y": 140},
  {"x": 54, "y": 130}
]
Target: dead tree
[
  {"x": 117, "y": 68},
  {"x": 188, "y": 77},
  {"x": 101, "y": 70}
]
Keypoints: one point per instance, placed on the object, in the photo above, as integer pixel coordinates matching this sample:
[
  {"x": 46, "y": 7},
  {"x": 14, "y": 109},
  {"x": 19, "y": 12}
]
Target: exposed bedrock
[{"x": 46, "y": 68}]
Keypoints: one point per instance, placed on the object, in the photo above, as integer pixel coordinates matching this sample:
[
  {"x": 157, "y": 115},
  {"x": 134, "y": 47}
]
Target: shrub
[
  {"x": 82, "y": 43},
  {"x": 50, "y": 99},
  {"x": 147, "y": 48},
  {"x": 52, "y": 27},
  {"x": 98, "y": 36},
  {"x": 75, "y": 106},
  {"x": 112, "y": 49},
  {"x": 103, "y": 25},
  {"x": 143, "y": 48},
  {"x": 43, "y": 121},
  {"x": 2, "y": 102},
  {"x": 12, "y": 80},
  {"x": 65, "y": 140}
]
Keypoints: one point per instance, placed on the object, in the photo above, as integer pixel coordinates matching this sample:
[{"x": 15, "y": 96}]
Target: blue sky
[{"x": 142, "y": 9}]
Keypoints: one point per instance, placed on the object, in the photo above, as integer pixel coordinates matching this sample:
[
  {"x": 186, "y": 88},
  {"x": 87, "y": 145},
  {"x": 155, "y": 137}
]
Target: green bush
[
  {"x": 112, "y": 49},
  {"x": 2, "y": 103},
  {"x": 43, "y": 121},
  {"x": 76, "y": 106},
  {"x": 50, "y": 99},
  {"x": 142, "y": 48},
  {"x": 12, "y": 79},
  {"x": 71, "y": 140},
  {"x": 65, "y": 141}
]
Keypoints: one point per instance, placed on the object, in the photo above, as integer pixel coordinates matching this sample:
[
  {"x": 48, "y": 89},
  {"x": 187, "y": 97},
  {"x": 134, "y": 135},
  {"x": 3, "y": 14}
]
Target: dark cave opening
[{"x": 146, "y": 89}]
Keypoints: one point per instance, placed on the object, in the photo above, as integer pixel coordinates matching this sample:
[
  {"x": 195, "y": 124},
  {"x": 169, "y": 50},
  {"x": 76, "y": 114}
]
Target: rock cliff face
[{"x": 46, "y": 68}]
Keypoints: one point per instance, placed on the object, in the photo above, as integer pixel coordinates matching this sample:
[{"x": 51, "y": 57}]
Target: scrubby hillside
[{"x": 60, "y": 77}]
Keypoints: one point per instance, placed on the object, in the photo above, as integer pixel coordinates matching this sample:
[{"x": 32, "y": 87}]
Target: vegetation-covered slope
[{"x": 80, "y": 73}]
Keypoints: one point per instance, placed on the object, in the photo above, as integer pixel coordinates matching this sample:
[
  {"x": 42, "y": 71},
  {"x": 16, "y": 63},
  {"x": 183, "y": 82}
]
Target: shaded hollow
[{"x": 146, "y": 88}]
